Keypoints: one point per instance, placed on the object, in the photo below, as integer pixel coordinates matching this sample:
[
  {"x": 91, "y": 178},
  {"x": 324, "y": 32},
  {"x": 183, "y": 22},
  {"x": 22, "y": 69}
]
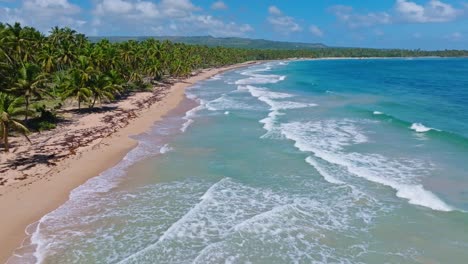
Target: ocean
[{"x": 318, "y": 161}]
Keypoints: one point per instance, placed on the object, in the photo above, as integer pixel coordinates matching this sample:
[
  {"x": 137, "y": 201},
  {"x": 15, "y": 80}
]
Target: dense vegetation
[
  {"x": 39, "y": 74},
  {"x": 229, "y": 42}
]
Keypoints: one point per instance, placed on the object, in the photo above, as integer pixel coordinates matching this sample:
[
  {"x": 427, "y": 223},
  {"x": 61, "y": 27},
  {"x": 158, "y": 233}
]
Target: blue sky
[{"x": 425, "y": 24}]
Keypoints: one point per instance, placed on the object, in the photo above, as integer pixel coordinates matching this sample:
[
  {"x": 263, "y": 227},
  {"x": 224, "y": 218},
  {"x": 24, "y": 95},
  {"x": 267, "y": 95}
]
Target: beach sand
[{"x": 26, "y": 196}]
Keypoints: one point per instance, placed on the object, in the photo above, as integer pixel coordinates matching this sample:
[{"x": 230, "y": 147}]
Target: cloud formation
[
  {"x": 352, "y": 19},
  {"x": 273, "y": 10},
  {"x": 404, "y": 11},
  {"x": 112, "y": 17},
  {"x": 44, "y": 14},
  {"x": 432, "y": 11},
  {"x": 282, "y": 23},
  {"x": 316, "y": 31},
  {"x": 219, "y": 5},
  {"x": 168, "y": 17}
]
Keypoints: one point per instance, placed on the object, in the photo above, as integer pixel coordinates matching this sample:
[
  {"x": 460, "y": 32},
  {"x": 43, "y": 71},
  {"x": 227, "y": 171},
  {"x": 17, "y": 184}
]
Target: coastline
[
  {"x": 22, "y": 205},
  {"x": 373, "y": 58}
]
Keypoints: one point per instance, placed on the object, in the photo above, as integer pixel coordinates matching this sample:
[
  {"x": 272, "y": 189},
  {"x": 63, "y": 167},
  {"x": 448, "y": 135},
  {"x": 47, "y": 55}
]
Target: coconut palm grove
[{"x": 41, "y": 74}]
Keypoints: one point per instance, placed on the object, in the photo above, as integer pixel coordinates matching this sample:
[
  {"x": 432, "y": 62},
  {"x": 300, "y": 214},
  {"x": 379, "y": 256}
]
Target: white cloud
[
  {"x": 316, "y": 31},
  {"x": 147, "y": 9},
  {"x": 120, "y": 17},
  {"x": 177, "y": 8},
  {"x": 219, "y": 5},
  {"x": 432, "y": 11},
  {"x": 114, "y": 7},
  {"x": 168, "y": 17},
  {"x": 213, "y": 26},
  {"x": 43, "y": 14},
  {"x": 273, "y": 10},
  {"x": 282, "y": 23},
  {"x": 352, "y": 19},
  {"x": 404, "y": 11},
  {"x": 63, "y": 5},
  {"x": 144, "y": 9},
  {"x": 10, "y": 16}
]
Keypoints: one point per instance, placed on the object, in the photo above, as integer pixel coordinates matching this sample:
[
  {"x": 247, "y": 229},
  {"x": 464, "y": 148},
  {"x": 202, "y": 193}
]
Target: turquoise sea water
[{"x": 326, "y": 161}]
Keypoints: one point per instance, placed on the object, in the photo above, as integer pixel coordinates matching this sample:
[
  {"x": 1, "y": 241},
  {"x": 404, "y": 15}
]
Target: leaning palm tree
[{"x": 10, "y": 108}]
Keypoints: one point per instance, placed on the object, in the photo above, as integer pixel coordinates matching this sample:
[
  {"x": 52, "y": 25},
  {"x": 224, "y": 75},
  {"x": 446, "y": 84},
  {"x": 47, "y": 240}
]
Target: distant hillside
[{"x": 224, "y": 42}]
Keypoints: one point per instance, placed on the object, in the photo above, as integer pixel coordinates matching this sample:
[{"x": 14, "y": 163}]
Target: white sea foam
[
  {"x": 273, "y": 99},
  {"x": 264, "y": 94},
  {"x": 229, "y": 212},
  {"x": 189, "y": 114},
  {"x": 216, "y": 77},
  {"x": 166, "y": 148},
  {"x": 255, "y": 78},
  {"x": 329, "y": 139},
  {"x": 326, "y": 175},
  {"x": 93, "y": 220},
  {"x": 186, "y": 125},
  {"x": 260, "y": 79},
  {"x": 377, "y": 113},
  {"x": 89, "y": 190},
  {"x": 420, "y": 128},
  {"x": 205, "y": 227},
  {"x": 227, "y": 102},
  {"x": 270, "y": 98}
]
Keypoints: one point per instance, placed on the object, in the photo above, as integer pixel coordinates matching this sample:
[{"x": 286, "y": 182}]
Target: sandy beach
[{"x": 69, "y": 155}]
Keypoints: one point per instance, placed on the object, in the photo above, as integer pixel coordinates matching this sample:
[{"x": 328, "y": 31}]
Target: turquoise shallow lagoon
[{"x": 324, "y": 161}]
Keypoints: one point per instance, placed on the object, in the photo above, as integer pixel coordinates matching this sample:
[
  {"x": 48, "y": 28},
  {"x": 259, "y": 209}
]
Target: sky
[{"x": 410, "y": 24}]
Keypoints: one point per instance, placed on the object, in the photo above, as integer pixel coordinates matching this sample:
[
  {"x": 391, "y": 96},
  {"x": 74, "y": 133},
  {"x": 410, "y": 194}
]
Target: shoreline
[
  {"x": 373, "y": 58},
  {"x": 25, "y": 204}
]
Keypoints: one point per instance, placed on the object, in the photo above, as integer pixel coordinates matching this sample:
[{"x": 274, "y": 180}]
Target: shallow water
[{"x": 347, "y": 161}]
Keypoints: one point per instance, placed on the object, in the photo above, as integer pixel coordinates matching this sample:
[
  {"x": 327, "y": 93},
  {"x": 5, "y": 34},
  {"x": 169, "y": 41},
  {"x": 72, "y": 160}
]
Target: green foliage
[
  {"x": 230, "y": 42},
  {"x": 45, "y": 125},
  {"x": 46, "y": 114},
  {"x": 46, "y": 120},
  {"x": 10, "y": 109}
]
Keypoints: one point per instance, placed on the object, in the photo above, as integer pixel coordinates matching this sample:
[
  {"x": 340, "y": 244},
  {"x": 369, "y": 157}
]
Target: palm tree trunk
[
  {"x": 79, "y": 103},
  {"x": 5, "y": 138},
  {"x": 27, "y": 109},
  {"x": 94, "y": 101}
]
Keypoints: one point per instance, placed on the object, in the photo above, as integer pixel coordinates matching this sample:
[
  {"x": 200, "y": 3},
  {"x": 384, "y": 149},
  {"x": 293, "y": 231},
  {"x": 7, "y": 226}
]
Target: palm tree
[
  {"x": 4, "y": 44},
  {"x": 21, "y": 42},
  {"x": 102, "y": 88},
  {"x": 46, "y": 57},
  {"x": 9, "y": 110},
  {"x": 75, "y": 86},
  {"x": 66, "y": 55},
  {"x": 85, "y": 82},
  {"x": 30, "y": 84}
]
